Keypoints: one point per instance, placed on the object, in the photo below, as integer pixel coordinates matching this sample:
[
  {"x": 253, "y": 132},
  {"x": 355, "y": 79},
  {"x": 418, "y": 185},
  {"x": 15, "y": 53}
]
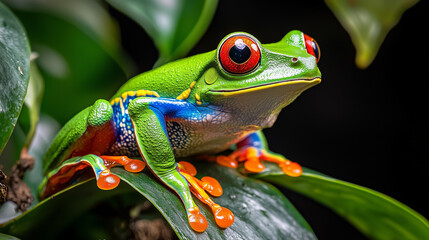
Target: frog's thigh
[
  {"x": 152, "y": 140},
  {"x": 94, "y": 117}
]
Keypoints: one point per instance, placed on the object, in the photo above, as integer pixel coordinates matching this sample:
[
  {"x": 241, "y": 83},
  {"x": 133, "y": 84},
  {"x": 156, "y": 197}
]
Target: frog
[{"x": 211, "y": 106}]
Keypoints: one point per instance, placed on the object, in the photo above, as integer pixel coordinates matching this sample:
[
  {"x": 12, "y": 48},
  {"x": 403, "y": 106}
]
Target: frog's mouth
[{"x": 294, "y": 85}]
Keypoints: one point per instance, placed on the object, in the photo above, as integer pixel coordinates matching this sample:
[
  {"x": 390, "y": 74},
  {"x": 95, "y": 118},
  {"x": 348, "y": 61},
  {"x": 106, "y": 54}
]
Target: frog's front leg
[
  {"x": 148, "y": 119},
  {"x": 254, "y": 149}
]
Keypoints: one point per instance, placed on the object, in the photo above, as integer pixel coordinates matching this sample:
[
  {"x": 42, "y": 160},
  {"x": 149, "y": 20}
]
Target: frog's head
[{"x": 268, "y": 77}]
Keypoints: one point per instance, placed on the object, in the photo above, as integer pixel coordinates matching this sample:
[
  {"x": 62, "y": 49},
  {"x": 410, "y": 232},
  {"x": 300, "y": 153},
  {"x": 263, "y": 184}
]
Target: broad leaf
[
  {"x": 47, "y": 219},
  {"x": 368, "y": 22},
  {"x": 25, "y": 128},
  {"x": 373, "y": 213},
  {"x": 14, "y": 71},
  {"x": 175, "y": 26},
  {"x": 261, "y": 211}
]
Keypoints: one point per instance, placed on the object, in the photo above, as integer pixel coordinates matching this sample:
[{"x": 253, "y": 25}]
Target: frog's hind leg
[
  {"x": 89, "y": 131},
  {"x": 78, "y": 169}
]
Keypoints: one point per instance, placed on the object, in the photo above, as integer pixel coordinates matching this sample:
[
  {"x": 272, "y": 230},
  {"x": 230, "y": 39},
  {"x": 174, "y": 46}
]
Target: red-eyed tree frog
[{"x": 197, "y": 106}]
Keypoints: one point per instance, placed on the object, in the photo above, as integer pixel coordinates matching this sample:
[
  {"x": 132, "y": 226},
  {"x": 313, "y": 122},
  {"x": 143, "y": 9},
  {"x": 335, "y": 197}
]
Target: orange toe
[
  {"x": 197, "y": 221},
  {"x": 292, "y": 169},
  {"x": 227, "y": 161},
  {"x": 223, "y": 216},
  {"x": 135, "y": 166},
  {"x": 107, "y": 180},
  {"x": 253, "y": 165},
  {"x": 188, "y": 168},
  {"x": 212, "y": 186}
]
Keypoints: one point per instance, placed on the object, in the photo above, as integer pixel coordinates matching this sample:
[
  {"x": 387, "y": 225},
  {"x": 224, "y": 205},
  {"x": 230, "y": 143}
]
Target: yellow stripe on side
[
  {"x": 124, "y": 96},
  {"x": 141, "y": 93}
]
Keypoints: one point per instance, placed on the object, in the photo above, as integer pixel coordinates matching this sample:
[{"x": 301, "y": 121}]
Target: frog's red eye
[
  {"x": 239, "y": 54},
  {"x": 312, "y": 47}
]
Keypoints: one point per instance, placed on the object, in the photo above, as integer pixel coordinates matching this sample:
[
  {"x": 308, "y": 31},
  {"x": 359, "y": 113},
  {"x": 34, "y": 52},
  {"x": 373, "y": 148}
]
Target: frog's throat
[{"x": 307, "y": 81}]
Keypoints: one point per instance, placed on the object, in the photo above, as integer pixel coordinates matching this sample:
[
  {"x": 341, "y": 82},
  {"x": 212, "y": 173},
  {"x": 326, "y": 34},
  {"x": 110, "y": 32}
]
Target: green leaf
[
  {"x": 368, "y": 22},
  {"x": 14, "y": 71},
  {"x": 175, "y": 26},
  {"x": 373, "y": 213},
  {"x": 77, "y": 67},
  {"x": 48, "y": 218},
  {"x": 261, "y": 211},
  {"x": 25, "y": 128}
]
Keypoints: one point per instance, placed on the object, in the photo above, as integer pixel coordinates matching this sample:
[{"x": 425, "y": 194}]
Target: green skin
[{"x": 221, "y": 110}]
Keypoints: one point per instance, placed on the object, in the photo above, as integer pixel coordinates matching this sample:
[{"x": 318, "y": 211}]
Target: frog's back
[{"x": 171, "y": 79}]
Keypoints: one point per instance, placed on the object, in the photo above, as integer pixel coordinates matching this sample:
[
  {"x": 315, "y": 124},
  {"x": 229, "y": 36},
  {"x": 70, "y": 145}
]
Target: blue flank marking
[
  {"x": 178, "y": 114},
  {"x": 163, "y": 108},
  {"x": 125, "y": 139},
  {"x": 174, "y": 108}
]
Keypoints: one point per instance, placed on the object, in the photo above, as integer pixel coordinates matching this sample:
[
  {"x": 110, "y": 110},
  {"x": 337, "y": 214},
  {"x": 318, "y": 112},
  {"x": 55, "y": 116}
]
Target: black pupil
[
  {"x": 240, "y": 52},
  {"x": 315, "y": 49}
]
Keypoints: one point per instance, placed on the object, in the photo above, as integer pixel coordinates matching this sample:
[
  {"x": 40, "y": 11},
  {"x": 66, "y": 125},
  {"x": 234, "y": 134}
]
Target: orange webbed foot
[
  {"x": 253, "y": 158},
  {"x": 223, "y": 216},
  {"x": 209, "y": 184}
]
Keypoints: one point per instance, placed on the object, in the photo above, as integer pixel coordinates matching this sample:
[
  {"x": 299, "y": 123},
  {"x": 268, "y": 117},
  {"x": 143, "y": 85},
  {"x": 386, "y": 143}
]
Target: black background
[{"x": 368, "y": 127}]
